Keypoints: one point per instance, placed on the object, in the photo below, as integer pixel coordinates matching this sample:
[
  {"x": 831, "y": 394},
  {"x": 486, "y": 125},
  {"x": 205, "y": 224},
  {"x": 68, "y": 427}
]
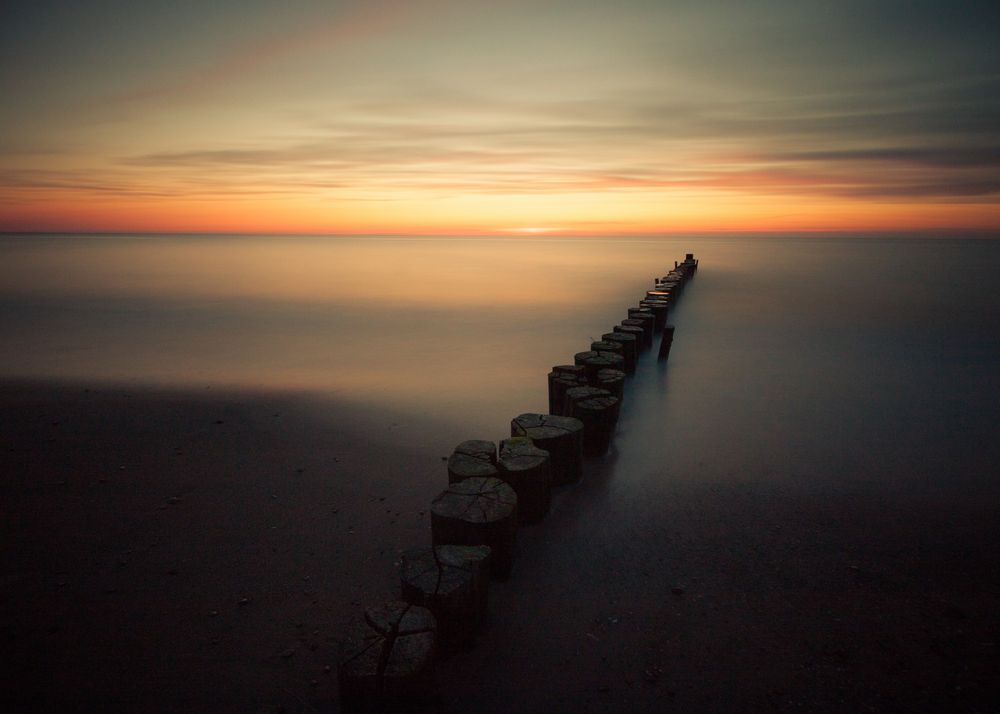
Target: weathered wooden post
[
  {"x": 637, "y": 332},
  {"x": 645, "y": 313},
  {"x": 612, "y": 380},
  {"x": 645, "y": 325},
  {"x": 593, "y": 362},
  {"x": 608, "y": 346},
  {"x": 598, "y": 410},
  {"x": 561, "y": 436},
  {"x": 452, "y": 581},
  {"x": 386, "y": 662},
  {"x": 528, "y": 469},
  {"x": 577, "y": 393},
  {"x": 472, "y": 458},
  {"x": 561, "y": 378},
  {"x": 665, "y": 342},
  {"x": 478, "y": 511},
  {"x": 630, "y": 350},
  {"x": 659, "y": 309}
]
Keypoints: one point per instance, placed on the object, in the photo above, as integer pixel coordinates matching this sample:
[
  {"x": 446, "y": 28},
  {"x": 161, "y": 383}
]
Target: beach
[{"x": 799, "y": 510}]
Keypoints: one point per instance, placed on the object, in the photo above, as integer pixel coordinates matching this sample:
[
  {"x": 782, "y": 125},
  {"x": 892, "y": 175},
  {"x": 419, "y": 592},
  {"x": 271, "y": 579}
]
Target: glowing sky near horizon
[{"x": 525, "y": 117}]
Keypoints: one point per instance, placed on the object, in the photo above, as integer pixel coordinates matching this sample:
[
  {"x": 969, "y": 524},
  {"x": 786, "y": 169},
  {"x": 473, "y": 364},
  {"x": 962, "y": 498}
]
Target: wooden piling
[
  {"x": 598, "y": 410},
  {"x": 596, "y": 361},
  {"x": 608, "y": 346},
  {"x": 630, "y": 350},
  {"x": 387, "y": 660},
  {"x": 612, "y": 380},
  {"x": 659, "y": 309},
  {"x": 645, "y": 325},
  {"x": 636, "y": 331},
  {"x": 452, "y": 581},
  {"x": 472, "y": 458},
  {"x": 561, "y": 436},
  {"x": 665, "y": 342},
  {"x": 478, "y": 511},
  {"x": 561, "y": 378},
  {"x": 528, "y": 470}
]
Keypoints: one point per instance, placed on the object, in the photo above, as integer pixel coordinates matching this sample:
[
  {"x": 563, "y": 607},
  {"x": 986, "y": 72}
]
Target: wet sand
[
  {"x": 195, "y": 551},
  {"x": 182, "y": 551}
]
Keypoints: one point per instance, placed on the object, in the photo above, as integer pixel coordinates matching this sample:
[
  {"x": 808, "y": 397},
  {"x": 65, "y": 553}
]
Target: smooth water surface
[{"x": 872, "y": 359}]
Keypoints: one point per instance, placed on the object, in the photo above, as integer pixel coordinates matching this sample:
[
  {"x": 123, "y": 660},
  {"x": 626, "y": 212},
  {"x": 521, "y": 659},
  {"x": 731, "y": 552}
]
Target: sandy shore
[{"x": 201, "y": 551}]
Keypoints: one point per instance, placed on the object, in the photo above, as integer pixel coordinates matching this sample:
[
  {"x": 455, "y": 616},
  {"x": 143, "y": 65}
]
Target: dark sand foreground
[{"x": 202, "y": 551}]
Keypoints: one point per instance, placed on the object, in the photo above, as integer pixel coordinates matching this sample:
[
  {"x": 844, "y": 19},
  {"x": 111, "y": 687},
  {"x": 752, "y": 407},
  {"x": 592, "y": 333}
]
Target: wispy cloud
[{"x": 427, "y": 105}]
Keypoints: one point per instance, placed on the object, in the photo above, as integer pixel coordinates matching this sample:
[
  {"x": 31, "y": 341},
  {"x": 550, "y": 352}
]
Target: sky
[{"x": 485, "y": 117}]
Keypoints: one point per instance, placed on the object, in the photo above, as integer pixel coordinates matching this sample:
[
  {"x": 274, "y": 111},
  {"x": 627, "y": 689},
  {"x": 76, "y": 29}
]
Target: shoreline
[{"x": 123, "y": 586}]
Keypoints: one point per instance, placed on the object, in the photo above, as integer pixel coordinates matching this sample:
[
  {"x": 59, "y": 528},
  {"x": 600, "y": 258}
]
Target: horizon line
[{"x": 521, "y": 235}]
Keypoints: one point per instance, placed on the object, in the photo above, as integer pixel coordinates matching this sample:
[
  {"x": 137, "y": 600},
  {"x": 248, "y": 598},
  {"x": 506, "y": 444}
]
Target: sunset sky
[{"x": 468, "y": 116}]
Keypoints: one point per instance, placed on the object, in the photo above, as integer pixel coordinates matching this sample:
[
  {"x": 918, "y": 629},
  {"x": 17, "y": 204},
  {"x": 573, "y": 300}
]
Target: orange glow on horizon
[
  {"x": 439, "y": 117},
  {"x": 614, "y": 214}
]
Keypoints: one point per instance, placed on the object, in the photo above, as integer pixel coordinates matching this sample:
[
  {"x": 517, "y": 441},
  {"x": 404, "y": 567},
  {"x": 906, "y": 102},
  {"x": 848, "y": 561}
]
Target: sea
[{"x": 828, "y": 361}]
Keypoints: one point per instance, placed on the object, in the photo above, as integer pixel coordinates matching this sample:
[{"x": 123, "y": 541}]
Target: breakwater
[{"x": 387, "y": 661}]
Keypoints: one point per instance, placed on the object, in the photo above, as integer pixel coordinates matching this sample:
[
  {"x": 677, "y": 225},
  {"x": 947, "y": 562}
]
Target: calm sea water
[{"x": 845, "y": 360}]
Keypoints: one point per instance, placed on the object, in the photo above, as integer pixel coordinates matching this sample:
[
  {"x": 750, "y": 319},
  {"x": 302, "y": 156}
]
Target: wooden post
[
  {"x": 528, "y": 470},
  {"x": 630, "y": 350},
  {"x": 472, "y": 458},
  {"x": 452, "y": 581},
  {"x": 595, "y": 361},
  {"x": 561, "y": 436},
  {"x": 598, "y": 410},
  {"x": 478, "y": 511},
  {"x": 665, "y": 342},
  {"x": 647, "y": 328},
  {"x": 612, "y": 380},
  {"x": 386, "y": 661},
  {"x": 608, "y": 346},
  {"x": 659, "y": 309},
  {"x": 636, "y": 331},
  {"x": 561, "y": 378}
]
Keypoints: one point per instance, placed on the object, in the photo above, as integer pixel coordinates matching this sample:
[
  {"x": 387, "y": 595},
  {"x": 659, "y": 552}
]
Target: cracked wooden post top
[
  {"x": 578, "y": 393},
  {"x": 472, "y": 458},
  {"x": 561, "y": 378},
  {"x": 594, "y": 361},
  {"x": 452, "y": 581},
  {"x": 613, "y": 380},
  {"x": 607, "y": 346},
  {"x": 629, "y": 346},
  {"x": 478, "y": 511},
  {"x": 386, "y": 661},
  {"x": 561, "y": 436},
  {"x": 637, "y": 332},
  {"x": 528, "y": 469}
]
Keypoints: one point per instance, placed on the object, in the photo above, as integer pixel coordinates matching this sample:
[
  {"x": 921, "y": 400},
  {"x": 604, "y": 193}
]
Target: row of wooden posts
[{"x": 386, "y": 663}]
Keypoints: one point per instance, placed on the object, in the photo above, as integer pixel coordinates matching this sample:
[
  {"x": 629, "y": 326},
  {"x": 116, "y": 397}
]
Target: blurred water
[
  {"x": 878, "y": 357},
  {"x": 450, "y": 325}
]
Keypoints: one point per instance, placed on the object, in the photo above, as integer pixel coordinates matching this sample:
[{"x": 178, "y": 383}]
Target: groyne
[{"x": 386, "y": 661}]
